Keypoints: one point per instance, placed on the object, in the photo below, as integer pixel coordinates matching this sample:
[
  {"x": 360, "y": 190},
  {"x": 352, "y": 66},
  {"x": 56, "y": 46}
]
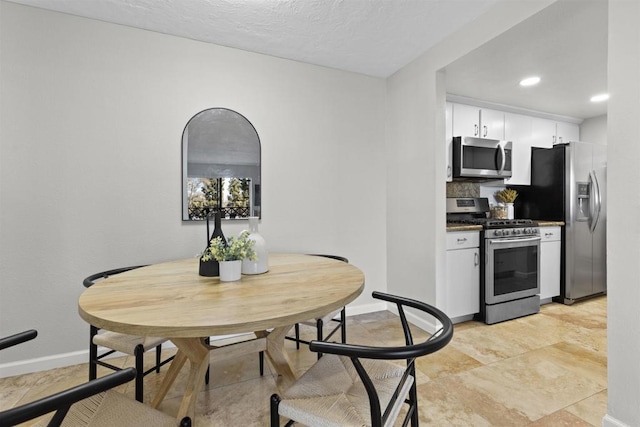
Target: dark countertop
[
  {"x": 543, "y": 223},
  {"x": 463, "y": 227},
  {"x": 468, "y": 227}
]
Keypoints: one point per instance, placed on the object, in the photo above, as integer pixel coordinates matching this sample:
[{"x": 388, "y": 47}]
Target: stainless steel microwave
[{"x": 481, "y": 158}]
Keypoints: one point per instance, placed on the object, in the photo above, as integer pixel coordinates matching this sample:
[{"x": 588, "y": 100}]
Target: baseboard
[
  {"x": 366, "y": 308},
  {"x": 43, "y": 363},
  {"x": 428, "y": 325},
  {"x": 77, "y": 357},
  {"x": 609, "y": 421}
]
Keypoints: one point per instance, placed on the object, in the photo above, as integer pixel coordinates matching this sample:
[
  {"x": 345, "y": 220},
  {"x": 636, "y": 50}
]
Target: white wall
[
  {"x": 91, "y": 117},
  {"x": 594, "y": 130},
  {"x": 623, "y": 227}
]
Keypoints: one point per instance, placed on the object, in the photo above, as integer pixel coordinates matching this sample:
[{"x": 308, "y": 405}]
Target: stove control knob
[
  {"x": 517, "y": 231},
  {"x": 498, "y": 232},
  {"x": 528, "y": 231}
]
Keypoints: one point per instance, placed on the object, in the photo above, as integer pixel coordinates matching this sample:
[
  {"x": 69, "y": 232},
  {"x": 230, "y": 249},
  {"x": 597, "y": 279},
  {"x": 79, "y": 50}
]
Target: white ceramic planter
[{"x": 230, "y": 271}]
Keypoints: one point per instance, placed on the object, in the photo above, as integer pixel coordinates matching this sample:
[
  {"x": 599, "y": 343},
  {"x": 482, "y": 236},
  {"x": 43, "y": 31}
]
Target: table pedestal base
[{"x": 197, "y": 352}]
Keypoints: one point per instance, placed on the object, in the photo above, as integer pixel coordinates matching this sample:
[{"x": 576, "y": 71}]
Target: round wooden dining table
[{"x": 172, "y": 300}]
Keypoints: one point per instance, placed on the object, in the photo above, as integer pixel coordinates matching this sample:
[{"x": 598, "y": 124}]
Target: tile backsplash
[
  {"x": 475, "y": 189},
  {"x": 463, "y": 189}
]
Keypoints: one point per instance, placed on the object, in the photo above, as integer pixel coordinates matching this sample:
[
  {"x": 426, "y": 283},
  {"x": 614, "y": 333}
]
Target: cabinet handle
[
  {"x": 553, "y": 139},
  {"x": 464, "y": 239},
  {"x": 548, "y": 234},
  {"x": 476, "y": 259},
  {"x": 448, "y": 171},
  {"x": 560, "y": 140},
  {"x": 475, "y": 130},
  {"x": 486, "y": 131}
]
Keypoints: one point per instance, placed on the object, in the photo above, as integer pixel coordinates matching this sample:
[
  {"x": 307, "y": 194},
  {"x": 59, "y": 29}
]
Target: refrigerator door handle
[{"x": 596, "y": 202}]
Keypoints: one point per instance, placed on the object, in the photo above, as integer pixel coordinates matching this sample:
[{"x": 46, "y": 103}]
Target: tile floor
[{"x": 548, "y": 369}]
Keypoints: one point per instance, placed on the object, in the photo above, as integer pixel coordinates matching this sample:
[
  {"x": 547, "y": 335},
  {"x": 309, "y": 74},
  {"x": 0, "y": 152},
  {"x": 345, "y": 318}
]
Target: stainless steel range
[{"x": 510, "y": 260}]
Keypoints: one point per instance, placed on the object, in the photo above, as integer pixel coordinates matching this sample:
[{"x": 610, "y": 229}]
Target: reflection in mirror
[{"x": 220, "y": 165}]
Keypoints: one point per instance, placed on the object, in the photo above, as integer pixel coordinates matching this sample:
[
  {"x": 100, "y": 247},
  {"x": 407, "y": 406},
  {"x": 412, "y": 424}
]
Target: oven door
[{"x": 512, "y": 268}]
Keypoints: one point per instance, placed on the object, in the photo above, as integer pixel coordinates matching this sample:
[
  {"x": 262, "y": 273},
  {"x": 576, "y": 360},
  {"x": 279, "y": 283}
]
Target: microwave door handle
[
  {"x": 503, "y": 159},
  {"x": 595, "y": 203}
]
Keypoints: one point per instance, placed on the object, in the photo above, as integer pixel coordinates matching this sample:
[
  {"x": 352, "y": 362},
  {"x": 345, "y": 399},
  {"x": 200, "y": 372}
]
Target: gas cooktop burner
[
  {"x": 502, "y": 223},
  {"x": 496, "y": 223}
]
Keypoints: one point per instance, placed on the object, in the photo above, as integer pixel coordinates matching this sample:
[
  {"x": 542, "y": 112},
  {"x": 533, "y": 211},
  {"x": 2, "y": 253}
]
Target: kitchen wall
[
  {"x": 594, "y": 130},
  {"x": 91, "y": 118}
]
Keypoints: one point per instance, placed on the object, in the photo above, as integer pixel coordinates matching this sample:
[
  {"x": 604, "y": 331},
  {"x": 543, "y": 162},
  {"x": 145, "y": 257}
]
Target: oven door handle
[{"x": 500, "y": 241}]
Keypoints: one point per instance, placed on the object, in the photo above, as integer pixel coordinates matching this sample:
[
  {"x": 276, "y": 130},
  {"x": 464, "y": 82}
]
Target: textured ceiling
[
  {"x": 373, "y": 37},
  {"x": 566, "y": 43}
]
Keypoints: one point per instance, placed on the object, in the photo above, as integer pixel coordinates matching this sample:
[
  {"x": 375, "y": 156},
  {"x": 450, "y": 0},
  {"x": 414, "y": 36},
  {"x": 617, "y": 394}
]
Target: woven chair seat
[
  {"x": 110, "y": 409},
  {"x": 126, "y": 343},
  {"x": 331, "y": 393}
]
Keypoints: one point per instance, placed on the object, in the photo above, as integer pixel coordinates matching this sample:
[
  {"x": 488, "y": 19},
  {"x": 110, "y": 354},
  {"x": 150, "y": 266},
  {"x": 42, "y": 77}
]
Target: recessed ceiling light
[
  {"x": 600, "y": 98},
  {"x": 530, "y": 81}
]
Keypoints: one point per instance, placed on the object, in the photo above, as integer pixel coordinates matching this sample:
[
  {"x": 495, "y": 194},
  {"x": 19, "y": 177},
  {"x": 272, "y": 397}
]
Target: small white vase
[
  {"x": 261, "y": 264},
  {"x": 230, "y": 271},
  {"x": 510, "y": 214}
]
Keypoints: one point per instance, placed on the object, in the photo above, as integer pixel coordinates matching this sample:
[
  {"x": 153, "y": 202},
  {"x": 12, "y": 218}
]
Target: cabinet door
[
  {"x": 448, "y": 138},
  {"x": 517, "y": 129},
  {"x": 550, "y": 248},
  {"x": 566, "y": 132},
  {"x": 491, "y": 124},
  {"x": 543, "y": 132},
  {"x": 466, "y": 120},
  {"x": 463, "y": 282}
]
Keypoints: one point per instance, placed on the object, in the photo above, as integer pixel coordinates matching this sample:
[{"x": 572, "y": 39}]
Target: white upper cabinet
[
  {"x": 523, "y": 131},
  {"x": 491, "y": 124},
  {"x": 543, "y": 133},
  {"x": 479, "y": 122},
  {"x": 518, "y": 130},
  {"x": 547, "y": 133},
  {"x": 566, "y": 132}
]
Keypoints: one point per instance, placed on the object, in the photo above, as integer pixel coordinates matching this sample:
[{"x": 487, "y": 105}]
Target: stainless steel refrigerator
[{"x": 568, "y": 183}]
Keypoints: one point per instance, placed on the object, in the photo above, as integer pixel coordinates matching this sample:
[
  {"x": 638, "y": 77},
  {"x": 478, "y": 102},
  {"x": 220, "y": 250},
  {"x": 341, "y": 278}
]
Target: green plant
[
  {"x": 508, "y": 195},
  {"x": 235, "y": 249}
]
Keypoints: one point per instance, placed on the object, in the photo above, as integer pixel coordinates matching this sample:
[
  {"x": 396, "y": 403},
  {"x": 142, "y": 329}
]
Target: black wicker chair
[
  {"x": 128, "y": 344},
  {"x": 339, "y": 318},
  {"x": 356, "y": 385},
  {"x": 93, "y": 402}
]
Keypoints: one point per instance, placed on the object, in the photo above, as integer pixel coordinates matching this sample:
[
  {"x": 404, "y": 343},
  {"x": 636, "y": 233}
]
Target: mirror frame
[{"x": 256, "y": 190}]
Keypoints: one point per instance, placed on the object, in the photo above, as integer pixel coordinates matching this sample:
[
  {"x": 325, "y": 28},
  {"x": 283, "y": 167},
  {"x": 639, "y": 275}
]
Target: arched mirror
[{"x": 220, "y": 165}]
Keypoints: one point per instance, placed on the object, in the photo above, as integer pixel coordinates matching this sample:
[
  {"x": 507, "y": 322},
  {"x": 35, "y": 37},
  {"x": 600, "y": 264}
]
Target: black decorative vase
[{"x": 211, "y": 268}]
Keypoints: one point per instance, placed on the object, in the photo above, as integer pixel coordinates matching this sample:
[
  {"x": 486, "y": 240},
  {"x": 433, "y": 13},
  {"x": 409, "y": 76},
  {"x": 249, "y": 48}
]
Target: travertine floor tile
[
  {"x": 592, "y": 409},
  {"x": 560, "y": 419},
  {"x": 547, "y": 369}
]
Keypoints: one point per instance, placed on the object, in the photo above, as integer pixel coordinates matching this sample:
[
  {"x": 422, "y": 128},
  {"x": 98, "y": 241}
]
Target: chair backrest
[
  {"x": 18, "y": 338},
  {"x": 91, "y": 280},
  {"x": 61, "y": 402},
  {"x": 410, "y": 351},
  {"x": 336, "y": 257}
]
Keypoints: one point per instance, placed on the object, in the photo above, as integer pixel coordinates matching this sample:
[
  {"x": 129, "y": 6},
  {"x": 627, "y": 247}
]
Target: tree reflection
[{"x": 231, "y": 196}]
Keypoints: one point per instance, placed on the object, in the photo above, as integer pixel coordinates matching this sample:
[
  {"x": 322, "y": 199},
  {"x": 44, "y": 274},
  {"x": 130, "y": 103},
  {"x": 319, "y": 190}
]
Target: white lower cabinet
[
  {"x": 550, "y": 248},
  {"x": 462, "y": 293}
]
